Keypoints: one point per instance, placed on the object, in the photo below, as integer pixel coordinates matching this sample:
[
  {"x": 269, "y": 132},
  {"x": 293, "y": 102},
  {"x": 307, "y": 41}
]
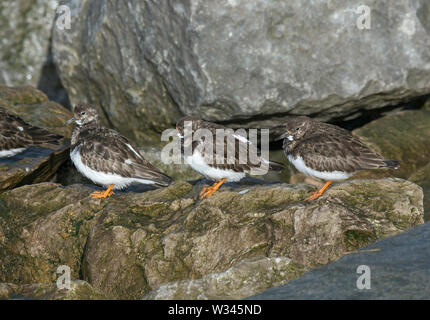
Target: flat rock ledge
[{"x": 165, "y": 243}]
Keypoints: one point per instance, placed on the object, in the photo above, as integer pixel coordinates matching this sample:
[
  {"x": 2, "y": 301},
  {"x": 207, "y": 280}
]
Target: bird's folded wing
[
  {"x": 13, "y": 134},
  {"x": 233, "y": 152},
  {"x": 107, "y": 151},
  {"x": 16, "y": 133},
  {"x": 346, "y": 153}
]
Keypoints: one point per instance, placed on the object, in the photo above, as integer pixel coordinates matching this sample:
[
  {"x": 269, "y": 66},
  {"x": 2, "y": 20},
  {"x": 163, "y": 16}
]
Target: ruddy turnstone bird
[
  {"x": 16, "y": 135},
  {"x": 231, "y": 164},
  {"x": 106, "y": 157},
  {"x": 327, "y": 152}
]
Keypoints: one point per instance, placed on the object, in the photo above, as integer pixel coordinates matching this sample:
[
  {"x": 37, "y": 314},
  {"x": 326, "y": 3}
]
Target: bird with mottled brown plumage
[
  {"x": 327, "y": 152},
  {"x": 225, "y": 158},
  {"x": 108, "y": 158},
  {"x": 16, "y": 135}
]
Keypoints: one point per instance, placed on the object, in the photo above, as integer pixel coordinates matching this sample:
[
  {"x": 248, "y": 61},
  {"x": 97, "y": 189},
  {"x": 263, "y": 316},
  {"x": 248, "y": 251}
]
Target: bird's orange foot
[
  {"x": 314, "y": 195},
  {"x": 318, "y": 193},
  {"x": 103, "y": 194},
  {"x": 206, "y": 192}
]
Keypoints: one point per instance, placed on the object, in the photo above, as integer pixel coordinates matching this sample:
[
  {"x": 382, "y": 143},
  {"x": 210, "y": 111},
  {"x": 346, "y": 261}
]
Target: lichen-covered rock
[
  {"x": 240, "y": 281},
  {"x": 7, "y": 290},
  {"x": 37, "y": 163},
  {"x": 79, "y": 290},
  {"x": 20, "y": 95},
  {"x": 131, "y": 243},
  {"x": 42, "y": 227},
  {"x": 402, "y": 136},
  {"x": 248, "y": 63}
]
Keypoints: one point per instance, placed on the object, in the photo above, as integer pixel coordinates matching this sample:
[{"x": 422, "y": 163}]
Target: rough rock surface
[
  {"x": 134, "y": 242},
  {"x": 402, "y": 136},
  {"x": 249, "y": 275},
  {"x": 145, "y": 62},
  {"x": 33, "y": 106},
  {"x": 25, "y": 40},
  {"x": 422, "y": 178},
  {"x": 79, "y": 290},
  {"x": 37, "y": 163},
  {"x": 399, "y": 270}
]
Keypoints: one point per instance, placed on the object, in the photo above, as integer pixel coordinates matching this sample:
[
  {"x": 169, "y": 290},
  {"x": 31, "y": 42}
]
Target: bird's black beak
[
  {"x": 69, "y": 122},
  {"x": 282, "y": 136}
]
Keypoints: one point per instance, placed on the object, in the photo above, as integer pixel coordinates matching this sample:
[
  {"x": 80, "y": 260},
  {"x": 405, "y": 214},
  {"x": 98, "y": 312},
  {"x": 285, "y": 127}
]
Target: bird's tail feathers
[
  {"x": 163, "y": 180},
  {"x": 392, "y": 164}
]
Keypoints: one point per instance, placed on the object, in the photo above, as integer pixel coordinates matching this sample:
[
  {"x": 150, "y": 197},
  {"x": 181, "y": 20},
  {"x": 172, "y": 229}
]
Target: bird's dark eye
[
  {"x": 297, "y": 129},
  {"x": 82, "y": 113}
]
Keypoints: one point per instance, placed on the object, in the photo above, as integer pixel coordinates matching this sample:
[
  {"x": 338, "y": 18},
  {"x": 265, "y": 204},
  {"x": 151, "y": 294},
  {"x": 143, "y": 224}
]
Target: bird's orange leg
[
  {"x": 206, "y": 189},
  {"x": 206, "y": 192},
  {"x": 103, "y": 194},
  {"x": 319, "y": 192}
]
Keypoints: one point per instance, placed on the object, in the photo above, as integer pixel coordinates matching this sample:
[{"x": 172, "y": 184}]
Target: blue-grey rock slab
[{"x": 399, "y": 269}]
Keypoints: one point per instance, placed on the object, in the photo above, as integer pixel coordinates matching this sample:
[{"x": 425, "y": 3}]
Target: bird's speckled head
[
  {"x": 84, "y": 114},
  {"x": 295, "y": 128}
]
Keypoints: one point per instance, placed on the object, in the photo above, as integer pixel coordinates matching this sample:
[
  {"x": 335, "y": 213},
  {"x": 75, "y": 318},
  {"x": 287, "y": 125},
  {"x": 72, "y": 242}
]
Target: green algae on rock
[
  {"x": 42, "y": 226},
  {"x": 133, "y": 243},
  {"x": 401, "y": 136}
]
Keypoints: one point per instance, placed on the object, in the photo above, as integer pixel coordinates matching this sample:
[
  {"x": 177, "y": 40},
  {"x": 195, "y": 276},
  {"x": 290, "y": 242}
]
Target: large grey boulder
[
  {"x": 25, "y": 39},
  {"x": 25, "y": 31},
  {"x": 145, "y": 63}
]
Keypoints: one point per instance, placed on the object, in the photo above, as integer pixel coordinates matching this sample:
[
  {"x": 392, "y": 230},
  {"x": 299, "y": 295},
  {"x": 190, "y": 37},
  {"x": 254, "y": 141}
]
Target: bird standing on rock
[
  {"x": 106, "y": 157},
  {"x": 327, "y": 152},
  {"x": 228, "y": 166},
  {"x": 16, "y": 135}
]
